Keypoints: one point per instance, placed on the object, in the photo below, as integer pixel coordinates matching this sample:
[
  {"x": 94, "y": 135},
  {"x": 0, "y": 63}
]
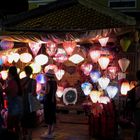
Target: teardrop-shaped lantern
[
  {"x": 69, "y": 46},
  {"x": 123, "y": 63},
  {"x": 125, "y": 87},
  {"x": 95, "y": 55},
  {"x": 59, "y": 74},
  {"x": 59, "y": 91},
  {"x": 103, "y": 62},
  {"x": 52, "y": 67},
  {"x": 60, "y": 58},
  {"x": 112, "y": 72},
  {"x": 103, "y": 82},
  {"x": 35, "y": 47},
  {"x": 86, "y": 68},
  {"x": 16, "y": 57},
  {"x": 51, "y": 48},
  {"x": 40, "y": 78},
  {"x": 41, "y": 59},
  {"x": 121, "y": 75},
  {"x": 25, "y": 57},
  {"x": 86, "y": 87},
  {"x": 95, "y": 75},
  {"x": 76, "y": 58},
  {"x": 112, "y": 91},
  {"x": 6, "y": 44},
  {"x": 103, "y": 41},
  {"x": 4, "y": 74},
  {"x": 125, "y": 43}
]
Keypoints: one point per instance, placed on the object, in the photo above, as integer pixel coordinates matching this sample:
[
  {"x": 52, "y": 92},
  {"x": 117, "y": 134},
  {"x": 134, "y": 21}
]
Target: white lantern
[
  {"x": 95, "y": 95},
  {"x": 25, "y": 57},
  {"x": 59, "y": 91},
  {"x": 103, "y": 82},
  {"x": 123, "y": 63},
  {"x": 41, "y": 59},
  {"x": 76, "y": 58},
  {"x": 103, "y": 41},
  {"x": 112, "y": 91},
  {"x": 86, "y": 87},
  {"x": 103, "y": 62},
  {"x": 59, "y": 74}
]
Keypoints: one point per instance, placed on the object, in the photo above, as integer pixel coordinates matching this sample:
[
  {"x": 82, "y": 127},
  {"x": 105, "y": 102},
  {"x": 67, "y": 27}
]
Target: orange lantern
[
  {"x": 69, "y": 46},
  {"x": 125, "y": 87}
]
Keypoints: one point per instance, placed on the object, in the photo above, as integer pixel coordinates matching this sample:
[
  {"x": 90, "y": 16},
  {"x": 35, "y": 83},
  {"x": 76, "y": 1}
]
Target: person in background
[
  {"x": 13, "y": 92},
  {"x": 29, "y": 117},
  {"x": 50, "y": 103},
  {"x": 137, "y": 108}
]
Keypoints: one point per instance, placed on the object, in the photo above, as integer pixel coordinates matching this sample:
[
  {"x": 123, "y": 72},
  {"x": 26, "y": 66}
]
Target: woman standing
[{"x": 14, "y": 97}]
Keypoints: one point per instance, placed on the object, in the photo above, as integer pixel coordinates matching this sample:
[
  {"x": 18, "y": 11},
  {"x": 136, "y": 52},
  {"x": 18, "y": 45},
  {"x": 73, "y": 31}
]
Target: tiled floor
[{"x": 74, "y": 127}]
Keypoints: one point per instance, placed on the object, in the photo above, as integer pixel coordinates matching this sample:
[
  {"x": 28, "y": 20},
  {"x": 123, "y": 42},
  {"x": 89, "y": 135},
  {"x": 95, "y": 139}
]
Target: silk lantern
[
  {"x": 41, "y": 59},
  {"x": 123, "y": 63},
  {"x": 95, "y": 95},
  {"x": 69, "y": 46},
  {"x": 103, "y": 41},
  {"x": 112, "y": 91},
  {"x": 25, "y": 57},
  {"x": 112, "y": 71},
  {"x": 86, "y": 68},
  {"x": 104, "y": 100},
  {"x": 76, "y": 58},
  {"x": 125, "y": 43},
  {"x": 95, "y": 75},
  {"x": 95, "y": 55},
  {"x": 51, "y": 48},
  {"x": 59, "y": 91},
  {"x": 125, "y": 87},
  {"x": 36, "y": 67},
  {"x": 40, "y": 78},
  {"x": 103, "y": 82},
  {"x": 86, "y": 88},
  {"x": 103, "y": 62},
  {"x": 59, "y": 74},
  {"x": 35, "y": 47},
  {"x": 4, "y": 74},
  {"x": 6, "y": 44},
  {"x": 51, "y": 66}
]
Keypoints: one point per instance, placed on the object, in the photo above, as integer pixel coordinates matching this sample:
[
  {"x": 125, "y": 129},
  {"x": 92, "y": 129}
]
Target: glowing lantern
[
  {"x": 22, "y": 75},
  {"x": 125, "y": 87},
  {"x": 6, "y": 44},
  {"x": 86, "y": 87},
  {"x": 112, "y": 91},
  {"x": 16, "y": 57},
  {"x": 69, "y": 46},
  {"x": 36, "y": 67},
  {"x": 123, "y": 63},
  {"x": 112, "y": 72},
  {"x": 4, "y": 74},
  {"x": 95, "y": 55},
  {"x": 59, "y": 91},
  {"x": 40, "y": 78},
  {"x": 125, "y": 43},
  {"x": 41, "y": 59},
  {"x": 51, "y": 48},
  {"x": 121, "y": 75},
  {"x": 25, "y": 57},
  {"x": 103, "y": 82},
  {"x": 38, "y": 87},
  {"x": 86, "y": 68},
  {"x": 95, "y": 75},
  {"x": 76, "y": 58},
  {"x": 35, "y": 47},
  {"x": 59, "y": 74},
  {"x": 4, "y": 59},
  {"x": 51, "y": 66},
  {"x": 103, "y": 41},
  {"x": 95, "y": 95},
  {"x": 104, "y": 100},
  {"x": 1, "y": 61},
  {"x": 60, "y": 58},
  {"x": 10, "y": 58},
  {"x": 103, "y": 62}
]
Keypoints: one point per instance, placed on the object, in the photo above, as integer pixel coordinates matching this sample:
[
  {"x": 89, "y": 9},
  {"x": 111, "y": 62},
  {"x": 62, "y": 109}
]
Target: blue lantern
[
  {"x": 40, "y": 78},
  {"x": 86, "y": 87},
  {"x": 95, "y": 75}
]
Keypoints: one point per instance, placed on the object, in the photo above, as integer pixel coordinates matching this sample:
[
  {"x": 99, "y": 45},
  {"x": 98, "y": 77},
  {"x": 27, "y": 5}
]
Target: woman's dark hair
[
  {"x": 28, "y": 70},
  {"x": 13, "y": 71}
]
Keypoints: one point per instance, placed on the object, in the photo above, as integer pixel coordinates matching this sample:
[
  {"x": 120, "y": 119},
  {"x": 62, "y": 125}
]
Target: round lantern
[
  {"x": 6, "y": 44},
  {"x": 69, "y": 46},
  {"x": 76, "y": 58},
  {"x": 41, "y": 59},
  {"x": 25, "y": 57},
  {"x": 123, "y": 63},
  {"x": 36, "y": 67},
  {"x": 86, "y": 87},
  {"x": 40, "y": 78}
]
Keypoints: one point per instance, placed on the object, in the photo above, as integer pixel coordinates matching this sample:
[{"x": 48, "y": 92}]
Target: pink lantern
[
  {"x": 86, "y": 68},
  {"x": 6, "y": 44},
  {"x": 51, "y": 48},
  {"x": 123, "y": 63},
  {"x": 94, "y": 54},
  {"x": 69, "y": 46},
  {"x": 35, "y": 47},
  {"x": 125, "y": 87},
  {"x": 103, "y": 41},
  {"x": 112, "y": 71},
  {"x": 60, "y": 58},
  {"x": 59, "y": 74},
  {"x": 59, "y": 91},
  {"x": 103, "y": 62}
]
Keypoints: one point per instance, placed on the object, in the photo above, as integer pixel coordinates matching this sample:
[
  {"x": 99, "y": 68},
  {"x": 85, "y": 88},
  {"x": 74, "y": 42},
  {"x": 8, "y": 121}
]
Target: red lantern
[{"x": 69, "y": 46}]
